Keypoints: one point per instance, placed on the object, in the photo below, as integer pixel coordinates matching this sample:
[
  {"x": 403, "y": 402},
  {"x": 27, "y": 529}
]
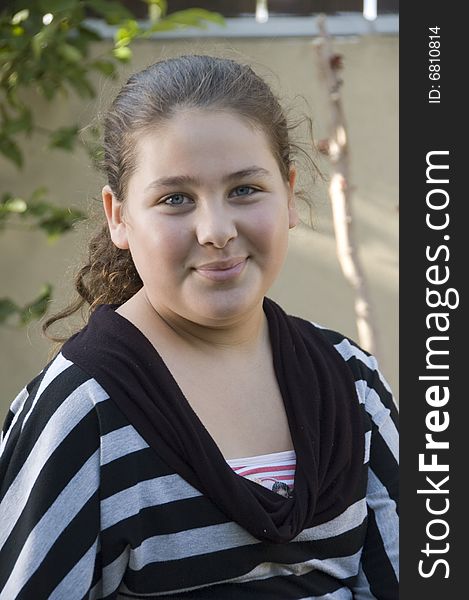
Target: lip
[{"x": 222, "y": 270}]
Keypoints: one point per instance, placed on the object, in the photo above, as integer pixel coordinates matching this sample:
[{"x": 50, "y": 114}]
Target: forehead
[{"x": 202, "y": 142}]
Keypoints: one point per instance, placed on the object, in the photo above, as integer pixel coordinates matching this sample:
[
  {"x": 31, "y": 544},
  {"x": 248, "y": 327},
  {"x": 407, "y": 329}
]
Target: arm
[
  {"x": 49, "y": 489},
  {"x": 379, "y": 565}
]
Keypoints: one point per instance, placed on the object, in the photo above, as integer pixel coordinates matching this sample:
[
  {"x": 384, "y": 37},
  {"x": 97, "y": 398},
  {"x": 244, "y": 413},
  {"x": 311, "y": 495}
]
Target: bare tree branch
[{"x": 337, "y": 150}]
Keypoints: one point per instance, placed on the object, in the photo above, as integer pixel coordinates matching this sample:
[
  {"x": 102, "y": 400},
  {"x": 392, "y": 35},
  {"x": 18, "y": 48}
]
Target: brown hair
[{"x": 148, "y": 99}]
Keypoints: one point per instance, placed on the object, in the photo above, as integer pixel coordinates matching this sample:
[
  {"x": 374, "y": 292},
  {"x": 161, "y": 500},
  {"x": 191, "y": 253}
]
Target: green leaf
[
  {"x": 195, "y": 17},
  {"x": 125, "y": 34},
  {"x": 64, "y": 138},
  {"x": 7, "y": 308},
  {"x": 5, "y": 197},
  {"x": 33, "y": 310},
  {"x": 17, "y": 31},
  {"x": 11, "y": 150},
  {"x": 88, "y": 35},
  {"x": 157, "y": 9},
  {"x": 38, "y": 194},
  {"x": 14, "y": 126},
  {"x": 55, "y": 6},
  {"x": 20, "y": 16},
  {"x": 105, "y": 67},
  {"x": 15, "y": 205},
  {"x": 160, "y": 5},
  {"x": 39, "y": 209},
  {"x": 39, "y": 42},
  {"x": 48, "y": 87},
  {"x": 38, "y": 307},
  {"x": 162, "y": 25},
  {"x": 123, "y": 54},
  {"x": 59, "y": 222},
  {"x": 70, "y": 53},
  {"x": 113, "y": 12},
  {"x": 44, "y": 38}
]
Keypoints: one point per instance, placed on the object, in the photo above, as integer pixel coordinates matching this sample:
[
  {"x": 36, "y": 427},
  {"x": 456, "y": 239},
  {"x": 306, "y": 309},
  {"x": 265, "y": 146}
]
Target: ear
[
  {"x": 113, "y": 211},
  {"x": 292, "y": 212}
]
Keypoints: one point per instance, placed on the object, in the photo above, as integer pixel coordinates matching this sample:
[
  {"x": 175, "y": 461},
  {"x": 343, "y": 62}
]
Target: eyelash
[{"x": 165, "y": 200}]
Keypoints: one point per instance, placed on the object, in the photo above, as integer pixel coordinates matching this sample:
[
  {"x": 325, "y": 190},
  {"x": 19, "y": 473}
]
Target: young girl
[{"x": 193, "y": 440}]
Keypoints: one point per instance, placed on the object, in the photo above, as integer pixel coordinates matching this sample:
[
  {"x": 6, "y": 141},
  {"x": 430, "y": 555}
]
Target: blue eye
[
  {"x": 245, "y": 187},
  {"x": 182, "y": 200},
  {"x": 179, "y": 200}
]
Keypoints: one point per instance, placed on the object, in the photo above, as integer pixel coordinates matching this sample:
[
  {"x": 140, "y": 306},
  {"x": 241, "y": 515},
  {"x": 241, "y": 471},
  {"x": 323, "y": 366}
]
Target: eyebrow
[{"x": 189, "y": 179}]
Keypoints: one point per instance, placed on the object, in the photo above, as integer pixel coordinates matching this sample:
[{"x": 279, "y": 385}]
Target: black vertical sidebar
[{"x": 433, "y": 308}]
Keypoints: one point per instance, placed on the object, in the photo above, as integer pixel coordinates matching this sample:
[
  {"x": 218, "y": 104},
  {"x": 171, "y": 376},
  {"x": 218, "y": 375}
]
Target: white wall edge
[{"x": 246, "y": 27}]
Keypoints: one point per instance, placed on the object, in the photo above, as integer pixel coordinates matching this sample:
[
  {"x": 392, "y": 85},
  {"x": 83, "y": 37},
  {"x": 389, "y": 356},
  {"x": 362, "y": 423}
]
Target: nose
[{"x": 215, "y": 224}]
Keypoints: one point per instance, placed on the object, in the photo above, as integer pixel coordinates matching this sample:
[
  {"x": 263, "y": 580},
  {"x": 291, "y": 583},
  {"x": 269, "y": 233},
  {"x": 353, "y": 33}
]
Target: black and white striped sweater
[{"x": 88, "y": 510}]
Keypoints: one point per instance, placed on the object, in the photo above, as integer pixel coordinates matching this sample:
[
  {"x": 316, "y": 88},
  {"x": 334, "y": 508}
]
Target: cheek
[
  {"x": 157, "y": 248},
  {"x": 269, "y": 231}
]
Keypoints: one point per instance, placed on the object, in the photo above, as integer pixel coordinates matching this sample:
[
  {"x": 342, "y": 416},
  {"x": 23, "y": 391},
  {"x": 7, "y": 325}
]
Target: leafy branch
[
  {"x": 27, "y": 313},
  {"x": 46, "y": 47},
  {"x": 38, "y": 213}
]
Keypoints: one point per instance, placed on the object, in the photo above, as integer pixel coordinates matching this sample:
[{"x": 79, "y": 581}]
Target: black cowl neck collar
[{"x": 321, "y": 405}]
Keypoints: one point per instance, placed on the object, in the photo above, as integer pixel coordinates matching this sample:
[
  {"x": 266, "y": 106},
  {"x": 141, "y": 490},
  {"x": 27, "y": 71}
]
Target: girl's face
[{"x": 206, "y": 217}]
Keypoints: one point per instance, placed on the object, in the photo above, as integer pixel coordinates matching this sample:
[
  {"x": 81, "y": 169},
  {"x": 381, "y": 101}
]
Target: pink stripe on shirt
[{"x": 274, "y": 471}]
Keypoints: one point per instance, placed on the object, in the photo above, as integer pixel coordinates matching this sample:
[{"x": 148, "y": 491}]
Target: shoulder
[
  {"x": 60, "y": 398},
  {"x": 370, "y": 382},
  {"x": 359, "y": 361}
]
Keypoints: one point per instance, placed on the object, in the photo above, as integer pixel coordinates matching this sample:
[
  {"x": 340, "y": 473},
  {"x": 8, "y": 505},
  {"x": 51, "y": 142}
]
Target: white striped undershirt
[{"x": 274, "y": 471}]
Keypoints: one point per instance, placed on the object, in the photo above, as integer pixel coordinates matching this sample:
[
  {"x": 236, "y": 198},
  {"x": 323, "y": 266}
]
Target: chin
[{"x": 224, "y": 307}]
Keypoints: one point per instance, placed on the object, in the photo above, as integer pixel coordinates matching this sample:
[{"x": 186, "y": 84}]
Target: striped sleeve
[
  {"x": 378, "y": 574},
  {"x": 49, "y": 488},
  {"x": 379, "y": 566}
]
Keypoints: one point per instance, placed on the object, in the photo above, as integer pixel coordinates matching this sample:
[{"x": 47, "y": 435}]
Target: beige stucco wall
[{"x": 311, "y": 284}]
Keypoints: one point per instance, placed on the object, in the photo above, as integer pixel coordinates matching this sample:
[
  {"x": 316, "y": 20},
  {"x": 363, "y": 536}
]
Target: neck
[{"x": 246, "y": 333}]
